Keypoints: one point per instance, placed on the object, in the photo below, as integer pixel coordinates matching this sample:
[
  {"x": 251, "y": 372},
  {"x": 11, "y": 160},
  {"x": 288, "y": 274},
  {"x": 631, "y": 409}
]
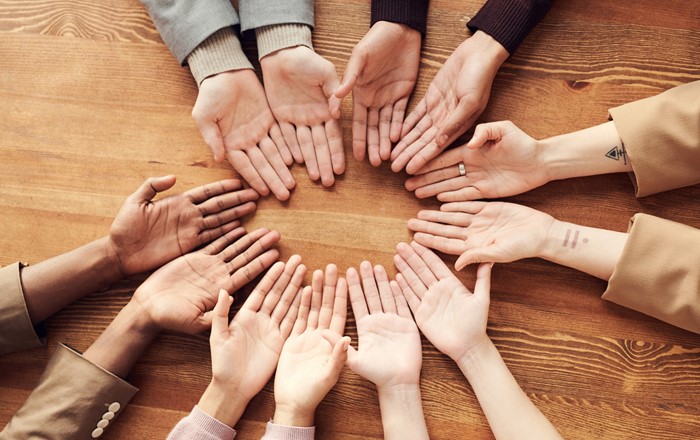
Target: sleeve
[
  {"x": 185, "y": 24},
  {"x": 280, "y": 432},
  {"x": 657, "y": 273},
  {"x": 200, "y": 425},
  {"x": 412, "y": 13},
  {"x": 259, "y": 13},
  {"x": 74, "y": 399},
  {"x": 661, "y": 136},
  {"x": 16, "y": 330},
  {"x": 509, "y": 21}
]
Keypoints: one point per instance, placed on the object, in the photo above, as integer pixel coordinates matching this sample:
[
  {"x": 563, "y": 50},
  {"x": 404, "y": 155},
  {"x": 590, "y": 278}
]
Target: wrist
[
  {"x": 223, "y": 403},
  {"x": 489, "y": 48},
  {"x": 291, "y": 415},
  {"x": 399, "y": 391},
  {"x": 109, "y": 261},
  {"x": 477, "y": 358},
  {"x": 556, "y": 235}
]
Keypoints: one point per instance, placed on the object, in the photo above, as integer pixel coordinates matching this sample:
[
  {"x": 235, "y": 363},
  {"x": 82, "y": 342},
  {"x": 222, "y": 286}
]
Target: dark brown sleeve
[{"x": 413, "y": 13}]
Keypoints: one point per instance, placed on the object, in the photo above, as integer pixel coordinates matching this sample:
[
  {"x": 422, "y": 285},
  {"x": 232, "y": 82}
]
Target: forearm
[
  {"x": 121, "y": 344},
  {"x": 52, "y": 284},
  {"x": 509, "y": 411},
  {"x": 402, "y": 412},
  {"x": 592, "y": 151},
  {"x": 591, "y": 250},
  {"x": 223, "y": 403}
]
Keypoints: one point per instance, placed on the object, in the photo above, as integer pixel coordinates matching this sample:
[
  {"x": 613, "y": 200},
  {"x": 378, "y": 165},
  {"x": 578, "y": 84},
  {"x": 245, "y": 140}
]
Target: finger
[
  {"x": 425, "y": 155},
  {"x": 384, "y": 130},
  {"x": 483, "y": 133},
  {"x": 448, "y": 159},
  {"x": 292, "y": 290},
  {"x": 340, "y": 307},
  {"x": 241, "y": 163},
  {"x": 202, "y": 195},
  {"x": 458, "y": 121},
  {"x": 369, "y": 287},
  {"x": 268, "y": 173},
  {"x": 214, "y": 204},
  {"x": 480, "y": 255},
  {"x": 482, "y": 287},
  {"x": 290, "y": 319},
  {"x": 428, "y": 180},
  {"x": 306, "y": 144},
  {"x": 272, "y": 154},
  {"x": 211, "y": 134},
  {"x": 411, "y": 297},
  {"x": 436, "y": 265},
  {"x": 273, "y": 298},
  {"x": 451, "y": 218},
  {"x": 449, "y": 246},
  {"x": 385, "y": 295},
  {"x": 373, "y": 137},
  {"x": 232, "y": 253},
  {"x": 316, "y": 299},
  {"x": 402, "y": 308},
  {"x": 330, "y": 282},
  {"x": 335, "y": 143},
  {"x": 151, "y": 187},
  {"x": 447, "y": 231},
  {"x": 338, "y": 358},
  {"x": 250, "y": 271},
  {"x": 468, "y": 193},
  {"x": 281, "y": 144},
  {"x": 413, "y": 117},
  {"x": 219, "y": 320},
  {"x": 412, "y": 150},
  {"x": 303, "y": 313},
  {"x": 409, "y": 254},
  {"x": 231, "y": 214},
  {"x": 290, "y": 137},
  {"x": 449, "y": 185},
  {"x": 323, "y": 154},
  {"x": 330, "y": 83},
  {"x": 413, "y": 281},
  {"x": 257, "y": 296},
  {"x": 221, "y": 243},
  {"x": 209, "y": 235},
  {"x": 352, "y": 72},
  {"x": 359, "y": 130},
  {"x": 466, "y": 207},
  {"x": 397, "y": 115},
  {"x": 357, "y": 298}
]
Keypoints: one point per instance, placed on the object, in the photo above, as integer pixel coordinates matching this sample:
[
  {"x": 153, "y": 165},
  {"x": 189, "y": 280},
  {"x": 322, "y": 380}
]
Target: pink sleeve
[
  {"x": 202, "y": 426},
  {"x": 279, "y": 432}
]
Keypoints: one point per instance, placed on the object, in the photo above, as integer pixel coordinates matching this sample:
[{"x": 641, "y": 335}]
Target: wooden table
[{"x": 92, "y": 102}]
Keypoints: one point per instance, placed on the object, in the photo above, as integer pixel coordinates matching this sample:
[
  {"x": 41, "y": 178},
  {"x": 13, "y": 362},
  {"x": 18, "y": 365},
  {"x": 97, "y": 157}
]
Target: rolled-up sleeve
[{"x": 16, "y": 330}]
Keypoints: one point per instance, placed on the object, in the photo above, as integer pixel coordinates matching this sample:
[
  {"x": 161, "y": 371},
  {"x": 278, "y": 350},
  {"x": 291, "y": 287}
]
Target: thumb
[
  {"x": 330, "y": 86},
  {"x": 152, "y": 186},
  {"x": 479, "y": 255},
  {"x": 482, "y": 288},
  {"x": 485, "y": 132},
  {"x": 212, "y": 137},
  {"x": 352, "y": 72},
  {"x": 338, "y": 357},
  {"x": 455, "y": 124},
  {"x": 219, "y": 319}
]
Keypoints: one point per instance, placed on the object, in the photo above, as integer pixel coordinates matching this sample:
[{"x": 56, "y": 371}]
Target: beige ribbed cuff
[
  {"x": 219, "y": 53},
  {"x": 281, "y": 36}
]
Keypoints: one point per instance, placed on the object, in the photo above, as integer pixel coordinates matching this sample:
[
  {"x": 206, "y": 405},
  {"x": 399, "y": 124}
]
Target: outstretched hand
[
  {"x": 298, "y": 85},
  {"x": 235, "y": 120},
  {"x": 455, "y": 99},
  {"x": 147, "y": 234},
  {"x": 449, "y": 315},
  {"x": 180, "y": 295},
  {"x": 500, "y": 160},
  {"x": 483, "y": 231},
  {"x": 381, "y": 73}
]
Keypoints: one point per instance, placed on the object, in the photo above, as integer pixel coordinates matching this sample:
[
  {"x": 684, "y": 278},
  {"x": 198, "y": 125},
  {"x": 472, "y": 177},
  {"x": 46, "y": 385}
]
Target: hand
[
  {"x": 389, "y": 349},
  {"x": 180, "y": 295},
  {"x": 147, "y": 234},
  {"x": 454, "y": 100},
  {"x": 232, "y": 114},
  {"x": 298, "y": 84},
  {"x": 381, "y": 73},
  {"x": 483, "y": 231},
  {"x": 309, "y": 365},
  {"x": 449, "y": 315},
  {"x": 244, "y": 353},
  {"x": 500, "y": 161}
]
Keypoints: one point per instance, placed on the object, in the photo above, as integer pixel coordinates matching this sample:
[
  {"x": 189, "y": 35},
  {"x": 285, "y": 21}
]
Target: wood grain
[{"x": 92, "y": 102}]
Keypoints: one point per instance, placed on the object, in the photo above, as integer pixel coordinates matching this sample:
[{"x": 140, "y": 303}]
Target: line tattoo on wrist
[
  {"x": 616, "y": 153},
  {"x": 575, "y": 240}
]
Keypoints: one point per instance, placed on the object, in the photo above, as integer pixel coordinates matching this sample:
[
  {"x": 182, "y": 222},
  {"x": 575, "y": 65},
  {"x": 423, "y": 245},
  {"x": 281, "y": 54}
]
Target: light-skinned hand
[
  {"x": 147, "y": 234},
  {"x": 455, "y": 99},
  {"x": 381, "y": 73},
  {"x": 298, "y": 84},
  {"x": 180, "y": 295},
  {"x": 449, "y": 315},
  {"x": 236, "y": 123},
  {"x": 500, "y": 161},
  {"x": 309, "y": 365},
  {"x": 481, "y": 232}
]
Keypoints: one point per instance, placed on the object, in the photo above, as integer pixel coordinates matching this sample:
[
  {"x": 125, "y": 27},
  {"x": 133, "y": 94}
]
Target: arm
[
  {"x": 389, "y": 351},
  {"x": 454, "y": 320}
]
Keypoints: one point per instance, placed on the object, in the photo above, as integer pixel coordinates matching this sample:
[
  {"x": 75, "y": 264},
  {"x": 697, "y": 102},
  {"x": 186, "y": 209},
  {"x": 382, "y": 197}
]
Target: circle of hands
[{"x": 203, "y": 255}]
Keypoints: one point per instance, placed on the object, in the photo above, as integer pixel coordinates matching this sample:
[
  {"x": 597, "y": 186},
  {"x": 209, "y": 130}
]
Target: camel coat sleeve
[{"x": 16, "y": 330}]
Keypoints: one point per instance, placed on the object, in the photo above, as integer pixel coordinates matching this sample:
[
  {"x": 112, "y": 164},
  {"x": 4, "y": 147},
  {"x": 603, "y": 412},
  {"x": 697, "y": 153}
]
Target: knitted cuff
[
  {"x": 219, "y": 53},
  {"x": 281, "y": 36},
  {"x": 412, "y": 13},
  {"x": 509, "y": 21}
]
